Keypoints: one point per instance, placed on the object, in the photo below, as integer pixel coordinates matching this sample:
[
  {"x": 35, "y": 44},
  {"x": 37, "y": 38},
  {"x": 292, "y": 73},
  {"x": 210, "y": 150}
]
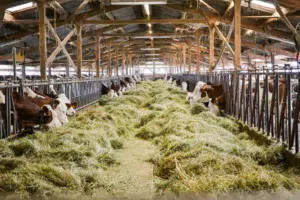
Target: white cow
[
  {"x": 55, "y": 123},
  {"x": 170, "y": 81},
  {"x": 70, "y": 107},
  {"x": 31, "y": 93},
  {"x": 61, "y": 110}
]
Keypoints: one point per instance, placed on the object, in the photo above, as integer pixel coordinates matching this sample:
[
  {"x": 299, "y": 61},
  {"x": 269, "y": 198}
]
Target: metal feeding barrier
[
  {"x": 268, "y": 100},
  {"x": 83, "y": 92}
]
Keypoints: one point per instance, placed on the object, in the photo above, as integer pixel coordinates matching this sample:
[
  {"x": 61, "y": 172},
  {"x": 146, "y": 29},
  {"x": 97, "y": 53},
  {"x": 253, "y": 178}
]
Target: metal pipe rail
[
  {"x": 83, "y": 92},
  {"x": 269, "y": 101}
]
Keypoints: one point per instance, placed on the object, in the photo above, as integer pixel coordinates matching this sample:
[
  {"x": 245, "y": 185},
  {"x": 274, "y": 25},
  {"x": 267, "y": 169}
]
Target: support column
[
  {"x": 123, "y": 62},
  {"x": 127, "y": 63},
  {"x": 197, "y": 35},
  {"x": 180, "y": 62},
  {"x": 14, "y": 53},
  {"x": 184, "y": 58},
  {"x": 190, "y": 55},
  {"x": 79, "y": 49},
  {"x": 237, "y": 34},
  {"x": 117, "y": 61},
  {"x": 97, "y": 53},
  {"x": 109, "y": 60},
  {"x": 211, "y": 46},
  {"x": 43, "y": 37}
]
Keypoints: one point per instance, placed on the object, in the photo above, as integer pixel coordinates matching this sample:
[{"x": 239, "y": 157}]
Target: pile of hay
[{"x": 199, "y": 152}]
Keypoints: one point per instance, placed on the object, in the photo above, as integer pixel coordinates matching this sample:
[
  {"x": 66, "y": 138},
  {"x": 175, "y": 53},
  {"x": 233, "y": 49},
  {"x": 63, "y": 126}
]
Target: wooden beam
[
  {"x": 146, "y": 34},
  {"x": 275, "y": 33},
  {"x": 223, "y": 44},
  {"x": 84, "y": 15},
  {"x": 59, "y": 48},
  {"x": 209, "y": 7},
  {"x": 123, "y": 62},
  {"x": 184, "y": 57},
  {"x": 285, "y": 20},
  {"x": 197, "y": 35},
  {"x": 80, "y": 8},
  {"x": 60, "y": 43},
  {"x": 43, "y": 39},
  {"x": 237, "y": 34},
  {"x": 145, "y": 21},
  {"x": 79, "y": 49},
  {"x": 97, "y": 53},
  {"x": 109, "y": 61},
  {"x": 117, "y": 62},
  {"x": 211, "y": 46},
  {"x": 224, "y": 40},
  {"x": 228, "y": 9},
  {"x": 190, "y": 54}
]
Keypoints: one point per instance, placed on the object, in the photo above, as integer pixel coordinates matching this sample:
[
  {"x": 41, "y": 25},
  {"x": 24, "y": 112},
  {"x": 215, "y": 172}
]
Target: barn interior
[{"x": 149, "y": 99}]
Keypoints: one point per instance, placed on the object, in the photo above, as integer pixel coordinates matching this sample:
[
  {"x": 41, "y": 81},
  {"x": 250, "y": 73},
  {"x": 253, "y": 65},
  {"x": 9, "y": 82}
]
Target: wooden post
[
  {"x": 127, "y": 62},
  {"x": 184, "y": 58},
  {"x": 237, "y": 34},
  {"x": 109, "y": 60},
  {"x": 190, "y": 55},
  {"x": 211, "y": 46},
  {"x": 123, "y": 62},
  {"x": 43, "y": 37},
  {"x": 97, "y": 53},
  {"x": 79, "y": 49},
  {"x": 180, "y": 62},
  {"x": 14, "y": 53},
  {"x": 117, "y": 61},
  {"x": 197, "y": 35}
]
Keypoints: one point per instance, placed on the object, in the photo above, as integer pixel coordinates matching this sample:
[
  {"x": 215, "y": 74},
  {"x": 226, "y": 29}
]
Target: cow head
[
  {"x": 71, "y": 109},
  {"x": 204, "y": 90},
  {"x": 49, "y": 117},
  {"x": 61, "y": 109}
]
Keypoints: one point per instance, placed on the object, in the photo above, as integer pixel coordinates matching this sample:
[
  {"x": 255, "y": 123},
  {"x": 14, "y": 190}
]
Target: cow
[
  {"x": 130, "y": 81},
  {"x": 124, "y": 86},
  {"x": 196, "y": 94},
  {"x": 116, "y": 88},
  {"x": 216, "y": 94},
  {"x": 31, "y": 93},
  {"x": 29, "y": 114},
  {"x": 70, "y": 106}
]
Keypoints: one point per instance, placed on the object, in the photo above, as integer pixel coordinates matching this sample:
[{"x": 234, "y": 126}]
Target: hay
[{"x": 198, "y": 151}]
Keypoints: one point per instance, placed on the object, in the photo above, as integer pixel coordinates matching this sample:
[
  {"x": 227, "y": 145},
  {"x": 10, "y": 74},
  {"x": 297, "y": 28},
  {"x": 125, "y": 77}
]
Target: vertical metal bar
[
  {"x": 289, "y": 110},
  {"x": 242, "y": 100},
  {"x": 258, "y": 99},
  {"x": 14, "y": 53},
  {"x": 250, "y": 99},
  {"x": 267, "y": 101},
  {"x": 277, "y": 107}
]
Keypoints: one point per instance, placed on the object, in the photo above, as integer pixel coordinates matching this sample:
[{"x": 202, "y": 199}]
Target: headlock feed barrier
[
  {"x": 269, "y": 100},
  {"x": 83, "y": 92}
]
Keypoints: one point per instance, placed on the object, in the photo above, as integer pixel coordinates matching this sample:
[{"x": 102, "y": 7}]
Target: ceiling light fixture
[
  {"x": 263, "y": 3},
  {"x": 139, "y": 2}
]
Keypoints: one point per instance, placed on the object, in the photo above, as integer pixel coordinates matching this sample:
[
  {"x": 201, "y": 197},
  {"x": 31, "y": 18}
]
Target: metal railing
[
  {"x": 83, "y": 92},
  {"x": 267, "y": 100}
]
